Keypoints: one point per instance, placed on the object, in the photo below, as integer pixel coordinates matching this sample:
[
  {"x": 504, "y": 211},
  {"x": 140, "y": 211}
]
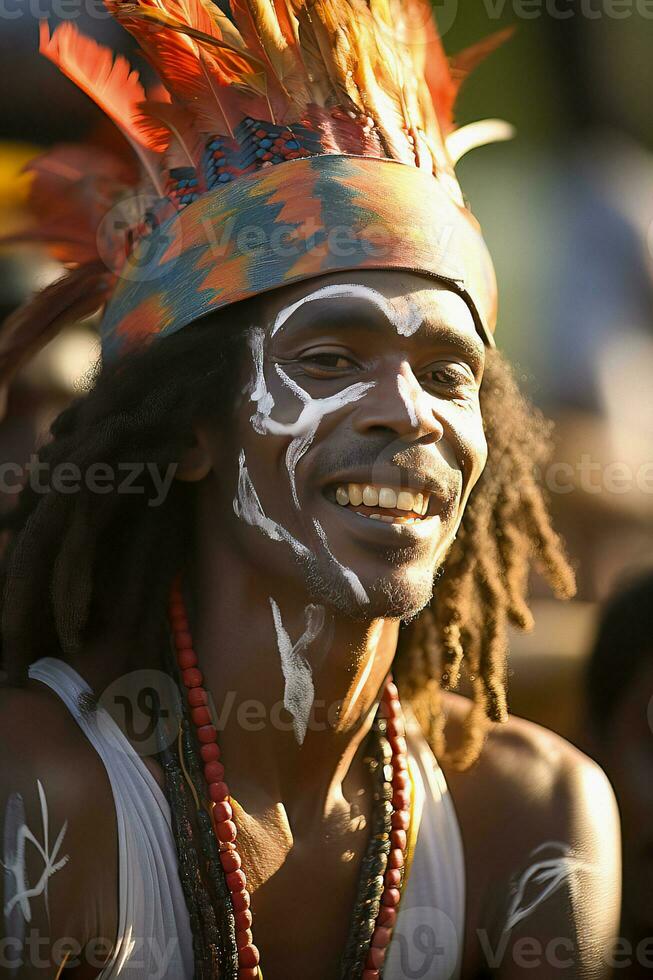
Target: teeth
[
  {"x": 388, "y": 498},
  {"x": 370, "y": 496},
  {"x": 385, "y": 497},
  {"x": 405, "y": 501},
  {"x": 355, "y": 495},
  {"x": 342, "y": 496}
]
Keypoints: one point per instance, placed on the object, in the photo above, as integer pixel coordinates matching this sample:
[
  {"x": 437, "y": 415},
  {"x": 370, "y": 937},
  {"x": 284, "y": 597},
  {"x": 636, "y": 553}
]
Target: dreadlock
[
  {"x": 80, "y": 563},
  {"x": 483, "y": 586}
]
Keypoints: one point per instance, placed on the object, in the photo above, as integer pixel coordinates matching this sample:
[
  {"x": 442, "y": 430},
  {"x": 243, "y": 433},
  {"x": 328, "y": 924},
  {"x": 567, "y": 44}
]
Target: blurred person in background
[{"x": 619, "y": 693}]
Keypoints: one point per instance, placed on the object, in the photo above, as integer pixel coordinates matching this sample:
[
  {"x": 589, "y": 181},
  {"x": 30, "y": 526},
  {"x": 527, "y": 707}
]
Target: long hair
[{"x": 87, "y": 564}]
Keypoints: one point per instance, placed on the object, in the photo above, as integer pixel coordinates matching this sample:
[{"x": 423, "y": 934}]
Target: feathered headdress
[{"x": 286, "y": 139}]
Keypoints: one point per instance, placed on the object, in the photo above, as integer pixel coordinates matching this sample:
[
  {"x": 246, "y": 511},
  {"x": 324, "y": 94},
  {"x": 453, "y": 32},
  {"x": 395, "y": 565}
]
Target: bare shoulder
[
  {"x": 41, "y": 740},
  {"x": 527, "y": 770},
  {"x": 58, "y": 828},
  {"x": 540, "y": 832}
]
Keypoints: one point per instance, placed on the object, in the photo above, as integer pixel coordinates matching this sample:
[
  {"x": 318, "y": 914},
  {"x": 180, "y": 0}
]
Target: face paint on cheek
[
  {"x": 405, "y": 395},
  {"x": 349, "y": 576},
  {"x": 299, "y": 691},
  {"x": 303, "y": 430},
  {"x": 247, "y": 507},
  {"x": 306, "y": 426}
]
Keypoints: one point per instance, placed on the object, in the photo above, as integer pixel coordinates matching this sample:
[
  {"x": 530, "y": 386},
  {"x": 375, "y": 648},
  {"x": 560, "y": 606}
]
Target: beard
[{"x": 401, "y": 594}]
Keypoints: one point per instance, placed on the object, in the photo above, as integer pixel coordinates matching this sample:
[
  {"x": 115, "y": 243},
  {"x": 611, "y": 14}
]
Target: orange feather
[{"x": 110, "y": 81}]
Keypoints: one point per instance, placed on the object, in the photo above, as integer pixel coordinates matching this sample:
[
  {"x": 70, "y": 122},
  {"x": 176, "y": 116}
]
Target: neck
[{"x": 261, "y": 643}]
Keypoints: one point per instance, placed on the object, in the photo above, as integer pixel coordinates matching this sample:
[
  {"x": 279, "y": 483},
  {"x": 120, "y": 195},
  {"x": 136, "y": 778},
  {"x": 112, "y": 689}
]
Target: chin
[{"x": 399, "y": 594}]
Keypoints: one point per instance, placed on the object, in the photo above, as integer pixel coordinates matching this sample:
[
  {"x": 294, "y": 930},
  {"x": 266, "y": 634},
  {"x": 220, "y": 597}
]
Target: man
[
  {"x": 300, "y": 439},
  {"x": 619, "y": 686}
]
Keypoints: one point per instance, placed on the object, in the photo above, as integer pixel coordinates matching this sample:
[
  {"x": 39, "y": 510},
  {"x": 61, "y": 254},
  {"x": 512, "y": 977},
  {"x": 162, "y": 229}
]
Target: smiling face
[{"x": 357, "y": 439}]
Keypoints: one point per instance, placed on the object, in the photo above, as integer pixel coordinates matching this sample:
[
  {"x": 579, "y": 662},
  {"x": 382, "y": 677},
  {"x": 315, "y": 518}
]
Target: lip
[{"x": 382, "y": 534}]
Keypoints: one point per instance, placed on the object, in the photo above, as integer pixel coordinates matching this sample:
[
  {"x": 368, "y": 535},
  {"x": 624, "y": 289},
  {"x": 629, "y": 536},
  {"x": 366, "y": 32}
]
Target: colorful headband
[{"x": 290, "y": 139}]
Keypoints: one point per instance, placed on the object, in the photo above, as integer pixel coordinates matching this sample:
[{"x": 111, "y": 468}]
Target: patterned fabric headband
[{"x": 283, "y": 140}]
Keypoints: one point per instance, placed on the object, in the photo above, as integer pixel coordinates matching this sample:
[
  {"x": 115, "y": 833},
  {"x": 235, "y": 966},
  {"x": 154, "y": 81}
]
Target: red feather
[
  {"x": 185, "y": 143},
  {"x": 467, "y": 60},
  {"x": 111, "y": 82}
]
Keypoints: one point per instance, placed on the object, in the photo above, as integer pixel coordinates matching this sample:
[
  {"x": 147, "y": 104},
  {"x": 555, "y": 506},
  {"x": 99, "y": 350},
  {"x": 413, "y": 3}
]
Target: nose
[{"x": 398, "y": 405}]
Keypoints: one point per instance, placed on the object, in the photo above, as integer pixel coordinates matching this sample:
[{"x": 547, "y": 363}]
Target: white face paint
[
  {"x": 350, "y": 576},
  {"x": 247, "y": 507},
  {"x": 299, "y": 691},
  {"x": 404, "y": 393},
  {"x": 406, "y": 318},
  {"x": 401, "y": 312},
  {"x": 18, "y": 892},
  {"x": 542, "y": 878},
  {"x": 303, "y": 430}
]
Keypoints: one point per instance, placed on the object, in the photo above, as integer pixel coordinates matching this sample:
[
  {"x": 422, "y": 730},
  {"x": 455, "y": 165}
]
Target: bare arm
[
  {"x": 542, "y": 853},
  {"x": 556, "y": 911},
  {"x": 58, "y": 836}
]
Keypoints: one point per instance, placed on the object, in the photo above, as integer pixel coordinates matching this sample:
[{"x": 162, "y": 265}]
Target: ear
[{"x": 196, "y": 463}]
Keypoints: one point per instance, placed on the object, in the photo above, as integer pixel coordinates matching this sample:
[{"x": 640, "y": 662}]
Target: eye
[
  {"x": 449, "y": 375},
  {"x": 327, "y": 363}
]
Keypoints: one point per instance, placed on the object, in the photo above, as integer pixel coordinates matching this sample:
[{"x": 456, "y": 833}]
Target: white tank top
[{"x": 154, "y": 937}]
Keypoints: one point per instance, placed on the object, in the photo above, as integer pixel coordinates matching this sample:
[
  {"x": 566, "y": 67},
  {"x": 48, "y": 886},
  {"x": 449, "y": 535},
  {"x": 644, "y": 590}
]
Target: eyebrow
[{"x": 365, "y": 298}]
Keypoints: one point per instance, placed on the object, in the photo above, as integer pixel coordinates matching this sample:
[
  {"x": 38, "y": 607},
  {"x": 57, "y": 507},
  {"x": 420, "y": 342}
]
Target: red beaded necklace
[{"x": 225, "y": 829}]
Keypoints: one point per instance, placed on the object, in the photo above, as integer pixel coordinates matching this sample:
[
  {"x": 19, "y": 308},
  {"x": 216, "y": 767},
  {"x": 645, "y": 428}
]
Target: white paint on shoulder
[
  {"x": 18, "y": 891},
  {"x": 299, "y": 691},
  {"x": 556, "y": 865}
]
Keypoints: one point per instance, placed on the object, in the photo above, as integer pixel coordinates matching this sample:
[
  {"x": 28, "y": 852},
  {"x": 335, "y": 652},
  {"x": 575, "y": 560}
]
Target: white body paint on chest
[
  {"x": 18, "y": 892},
  {"x": 302, "y": 431},
  {"x": 542, "y": 878},
  {"x": 299, "y": 691}
]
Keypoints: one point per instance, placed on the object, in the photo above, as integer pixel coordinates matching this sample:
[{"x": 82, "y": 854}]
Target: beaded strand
[{"x": 375, "y": 914}]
